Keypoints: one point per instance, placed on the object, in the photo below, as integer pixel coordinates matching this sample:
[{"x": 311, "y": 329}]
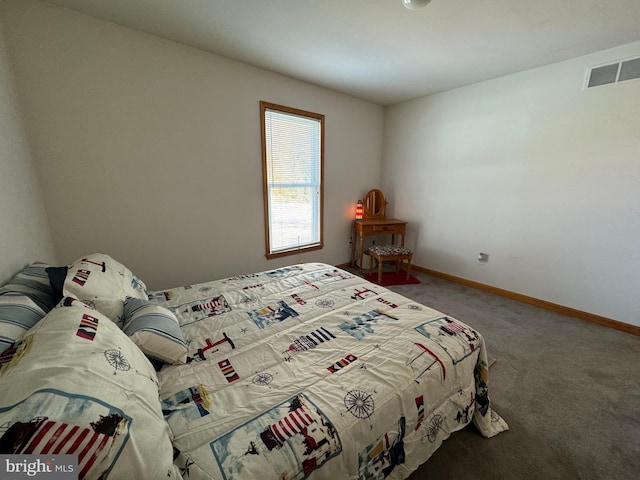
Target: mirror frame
[{"x": 375, "y": 205}]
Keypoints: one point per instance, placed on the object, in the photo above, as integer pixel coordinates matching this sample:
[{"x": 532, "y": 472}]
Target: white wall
[
  {"x": 24, "y": 233},
  {"x": 534, "y": 171},
  {"x": 149, "y": 150}
]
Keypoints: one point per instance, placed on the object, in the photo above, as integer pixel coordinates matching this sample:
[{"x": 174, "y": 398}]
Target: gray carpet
[{"x": 569, "y": 390}]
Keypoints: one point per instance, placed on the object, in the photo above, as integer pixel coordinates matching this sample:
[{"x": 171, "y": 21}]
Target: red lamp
[{"x": 359, "y": 210}]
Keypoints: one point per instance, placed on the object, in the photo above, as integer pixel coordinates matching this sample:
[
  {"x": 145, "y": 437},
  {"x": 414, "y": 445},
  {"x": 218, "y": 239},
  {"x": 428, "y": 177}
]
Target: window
[{"x": 292, "y": 171}]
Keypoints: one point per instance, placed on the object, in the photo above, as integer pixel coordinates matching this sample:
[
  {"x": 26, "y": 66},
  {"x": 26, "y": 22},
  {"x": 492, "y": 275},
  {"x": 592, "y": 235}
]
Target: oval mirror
[{"x": 374, "y": 204}]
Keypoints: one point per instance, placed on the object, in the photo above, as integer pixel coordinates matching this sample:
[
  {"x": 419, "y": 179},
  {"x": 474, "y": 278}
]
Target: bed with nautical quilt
[
  {"x": 304, "y": 371},
  {"x": 310, "y": 371}
]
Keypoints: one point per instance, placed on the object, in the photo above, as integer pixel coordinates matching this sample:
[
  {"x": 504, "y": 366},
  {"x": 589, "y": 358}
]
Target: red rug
[{"x": 391, "y": 278}]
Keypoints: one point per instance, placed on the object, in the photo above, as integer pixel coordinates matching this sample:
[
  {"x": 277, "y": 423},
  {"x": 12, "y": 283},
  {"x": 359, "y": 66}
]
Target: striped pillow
[
  {"x": 34, "y": 282},
  {"x": 18, "y": 313},
  {"x": 155, "y": 330}
]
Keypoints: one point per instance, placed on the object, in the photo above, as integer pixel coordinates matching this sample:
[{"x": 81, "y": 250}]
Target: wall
[
  {"x": 149, "y": 150},
  {"x": 533, "y": 170},
  {"x": 24, "y": 232}
]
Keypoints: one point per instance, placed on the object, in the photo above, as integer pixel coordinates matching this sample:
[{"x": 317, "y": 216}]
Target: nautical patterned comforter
[{"x": 310, "y": 371}]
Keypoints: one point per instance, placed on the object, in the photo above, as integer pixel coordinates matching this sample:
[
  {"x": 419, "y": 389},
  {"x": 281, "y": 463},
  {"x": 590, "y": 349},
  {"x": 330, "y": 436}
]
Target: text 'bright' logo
[
  {"x": 51, "y": 467},
  {"x": 30, "y": 468}
]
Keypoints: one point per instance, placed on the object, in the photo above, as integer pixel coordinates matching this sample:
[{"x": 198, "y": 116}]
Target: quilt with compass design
[{"x": 308, "y": 371}]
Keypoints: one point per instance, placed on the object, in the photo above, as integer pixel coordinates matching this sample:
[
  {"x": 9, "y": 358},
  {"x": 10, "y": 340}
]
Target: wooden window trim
[{"x": 264, "y": 106}]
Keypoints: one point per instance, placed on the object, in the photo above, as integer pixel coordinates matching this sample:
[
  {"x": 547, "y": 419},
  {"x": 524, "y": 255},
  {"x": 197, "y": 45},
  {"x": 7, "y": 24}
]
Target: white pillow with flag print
[
  {"x": 75, "y": 384},
  {"x": 155, "y": 330},
  {"x": 103, "y": 283}
]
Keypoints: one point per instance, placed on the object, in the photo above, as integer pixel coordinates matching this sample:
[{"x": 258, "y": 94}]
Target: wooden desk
[{"x": 375, "y": 226}]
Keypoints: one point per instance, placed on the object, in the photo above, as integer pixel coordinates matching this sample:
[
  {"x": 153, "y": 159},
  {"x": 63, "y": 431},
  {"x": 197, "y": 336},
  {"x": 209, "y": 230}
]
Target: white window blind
[{"x": 292, "y": 151}]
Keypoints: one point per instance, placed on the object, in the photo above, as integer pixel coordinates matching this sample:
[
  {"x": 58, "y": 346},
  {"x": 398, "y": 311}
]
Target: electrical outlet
[{"x": 483, "y": 258}]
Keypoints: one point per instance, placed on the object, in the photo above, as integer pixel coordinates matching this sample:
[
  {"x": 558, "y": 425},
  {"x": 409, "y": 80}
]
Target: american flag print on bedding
[
  {"x": 311, "y": 372},
  {"x": 26, "y": 429}
]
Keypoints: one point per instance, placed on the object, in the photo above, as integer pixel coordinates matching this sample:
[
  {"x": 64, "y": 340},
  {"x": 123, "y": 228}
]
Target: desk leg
[
  {"x": 353, "y": 247},
  {"x": 361, "y": 251}
]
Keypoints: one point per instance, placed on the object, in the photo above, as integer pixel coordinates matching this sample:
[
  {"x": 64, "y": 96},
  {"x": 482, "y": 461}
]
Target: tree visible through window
[{"x": 292, "y": 170}]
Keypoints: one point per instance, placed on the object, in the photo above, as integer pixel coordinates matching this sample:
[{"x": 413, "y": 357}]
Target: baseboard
[{"x": 554, "y": 307}]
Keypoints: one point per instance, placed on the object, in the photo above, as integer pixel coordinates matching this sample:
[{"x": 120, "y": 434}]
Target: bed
[{"x": 304, "y": 371}]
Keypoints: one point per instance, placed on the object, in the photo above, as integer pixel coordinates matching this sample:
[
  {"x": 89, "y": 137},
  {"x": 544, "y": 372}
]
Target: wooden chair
[{"x": 389, "y": 253}]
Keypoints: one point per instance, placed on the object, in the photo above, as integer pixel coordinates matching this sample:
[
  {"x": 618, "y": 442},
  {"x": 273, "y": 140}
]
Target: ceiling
[{"x": 376, "y": 49}]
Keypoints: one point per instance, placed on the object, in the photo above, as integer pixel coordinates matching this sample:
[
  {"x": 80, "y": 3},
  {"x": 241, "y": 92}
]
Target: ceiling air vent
[{"x": 614, "y": 73}]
